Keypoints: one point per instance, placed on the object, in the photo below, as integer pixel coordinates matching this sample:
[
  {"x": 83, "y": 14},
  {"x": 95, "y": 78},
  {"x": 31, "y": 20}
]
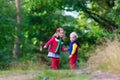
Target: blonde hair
[
  {"x": 56, "y": 33},
  {"x": 74, "y": 34}
]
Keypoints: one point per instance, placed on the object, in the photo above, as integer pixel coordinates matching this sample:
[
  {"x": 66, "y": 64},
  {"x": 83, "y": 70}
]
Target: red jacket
[{"x": 53, "y": 42}]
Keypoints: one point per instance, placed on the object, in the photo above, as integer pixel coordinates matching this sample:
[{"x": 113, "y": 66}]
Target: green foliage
[
  {"x": 40, "y": 18},
  {"x": 100, "y": 11},
  {"x": 61, "y": 75},
  {"x": 64, "y": 64},
  {"x": 7, "y": 23},
  {"x": 4, "y": 62}
]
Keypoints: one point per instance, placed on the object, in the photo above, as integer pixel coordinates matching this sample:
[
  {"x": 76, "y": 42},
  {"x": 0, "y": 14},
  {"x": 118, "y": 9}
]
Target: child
[
  {"x": 73, "y": 50},
  {"x": 56, "y": 45}
]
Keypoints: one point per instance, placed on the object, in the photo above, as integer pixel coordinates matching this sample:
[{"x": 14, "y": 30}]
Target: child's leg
[
  {"x": 72, "y": 62},
  {"x": 72, "y": 66},
  {"x": 58, "y": 62},
  {"x": 55, "y": 63}
]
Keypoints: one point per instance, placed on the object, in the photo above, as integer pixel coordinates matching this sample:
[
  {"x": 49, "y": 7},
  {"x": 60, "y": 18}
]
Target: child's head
[
  {"x": 60, "y": 32},
  {"x": 73, "y": 36}
]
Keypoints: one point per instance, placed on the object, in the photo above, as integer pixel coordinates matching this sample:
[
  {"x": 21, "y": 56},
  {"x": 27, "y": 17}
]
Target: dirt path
[
  {"x": 28, "y": 76},
  {"x": 97, "y": 75}
]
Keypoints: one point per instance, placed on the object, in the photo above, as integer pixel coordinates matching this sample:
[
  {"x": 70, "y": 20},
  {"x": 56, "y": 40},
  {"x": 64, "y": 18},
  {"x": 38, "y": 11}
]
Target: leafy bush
[
  {"x": 4, "y": 61},
  {"x": 64, "y": 64}
]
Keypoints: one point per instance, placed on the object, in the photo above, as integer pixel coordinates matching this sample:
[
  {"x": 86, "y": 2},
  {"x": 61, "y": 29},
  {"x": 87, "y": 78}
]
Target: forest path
[
  {"x": 100, "y": 75},
  {"x": 97, "y": 75},
  {"x": 18, "y": 76}
]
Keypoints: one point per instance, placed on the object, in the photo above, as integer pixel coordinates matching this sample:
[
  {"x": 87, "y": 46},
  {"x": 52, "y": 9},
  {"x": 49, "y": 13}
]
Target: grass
[
  {"x": 107, "y": 57},
  {"x": 78, "y": 77},
  {"x": 4, "y": 73},
  {"x": 61, "y": 75},
  {"x": 48, "y": 74}
]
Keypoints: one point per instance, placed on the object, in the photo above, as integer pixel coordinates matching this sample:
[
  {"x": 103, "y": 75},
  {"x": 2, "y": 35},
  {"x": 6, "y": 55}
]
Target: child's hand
[
  {"x": 45, "y": 47},
  {"x": 70, "y": 56},
  {"x": 66, "y": 50}
]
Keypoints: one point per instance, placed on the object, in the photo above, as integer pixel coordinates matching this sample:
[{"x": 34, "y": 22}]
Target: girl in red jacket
[{"x": 55, "y": 47}]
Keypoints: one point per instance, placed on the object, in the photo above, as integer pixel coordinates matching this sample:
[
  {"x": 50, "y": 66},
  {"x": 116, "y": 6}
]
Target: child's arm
[
  {"x": 63, "y": 49},
  {"x": 49, "y": 42},
  {"x": 74, "y": 50}
]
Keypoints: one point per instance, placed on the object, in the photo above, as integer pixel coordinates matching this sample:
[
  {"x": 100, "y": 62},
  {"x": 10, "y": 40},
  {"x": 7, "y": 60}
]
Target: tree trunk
[
  {"x": 16, "y": 49},
  {"x": 41, "y": 46}
]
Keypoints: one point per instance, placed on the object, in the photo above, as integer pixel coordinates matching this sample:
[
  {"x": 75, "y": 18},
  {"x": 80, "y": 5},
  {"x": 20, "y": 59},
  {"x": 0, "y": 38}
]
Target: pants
[
  {"x": 72, "y": 61},
  {"x": 55, "y": 63}
]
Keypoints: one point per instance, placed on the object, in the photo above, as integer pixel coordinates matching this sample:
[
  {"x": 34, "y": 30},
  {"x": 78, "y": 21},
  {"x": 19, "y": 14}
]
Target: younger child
[
  {"x": 73, "y": 50},
  {"x": 55, "y": 47}
]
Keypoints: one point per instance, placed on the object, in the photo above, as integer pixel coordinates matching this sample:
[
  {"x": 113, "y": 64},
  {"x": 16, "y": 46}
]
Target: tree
[
  {"x": 16, "y": 49},
  {"x": 100, "y": 11}
]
